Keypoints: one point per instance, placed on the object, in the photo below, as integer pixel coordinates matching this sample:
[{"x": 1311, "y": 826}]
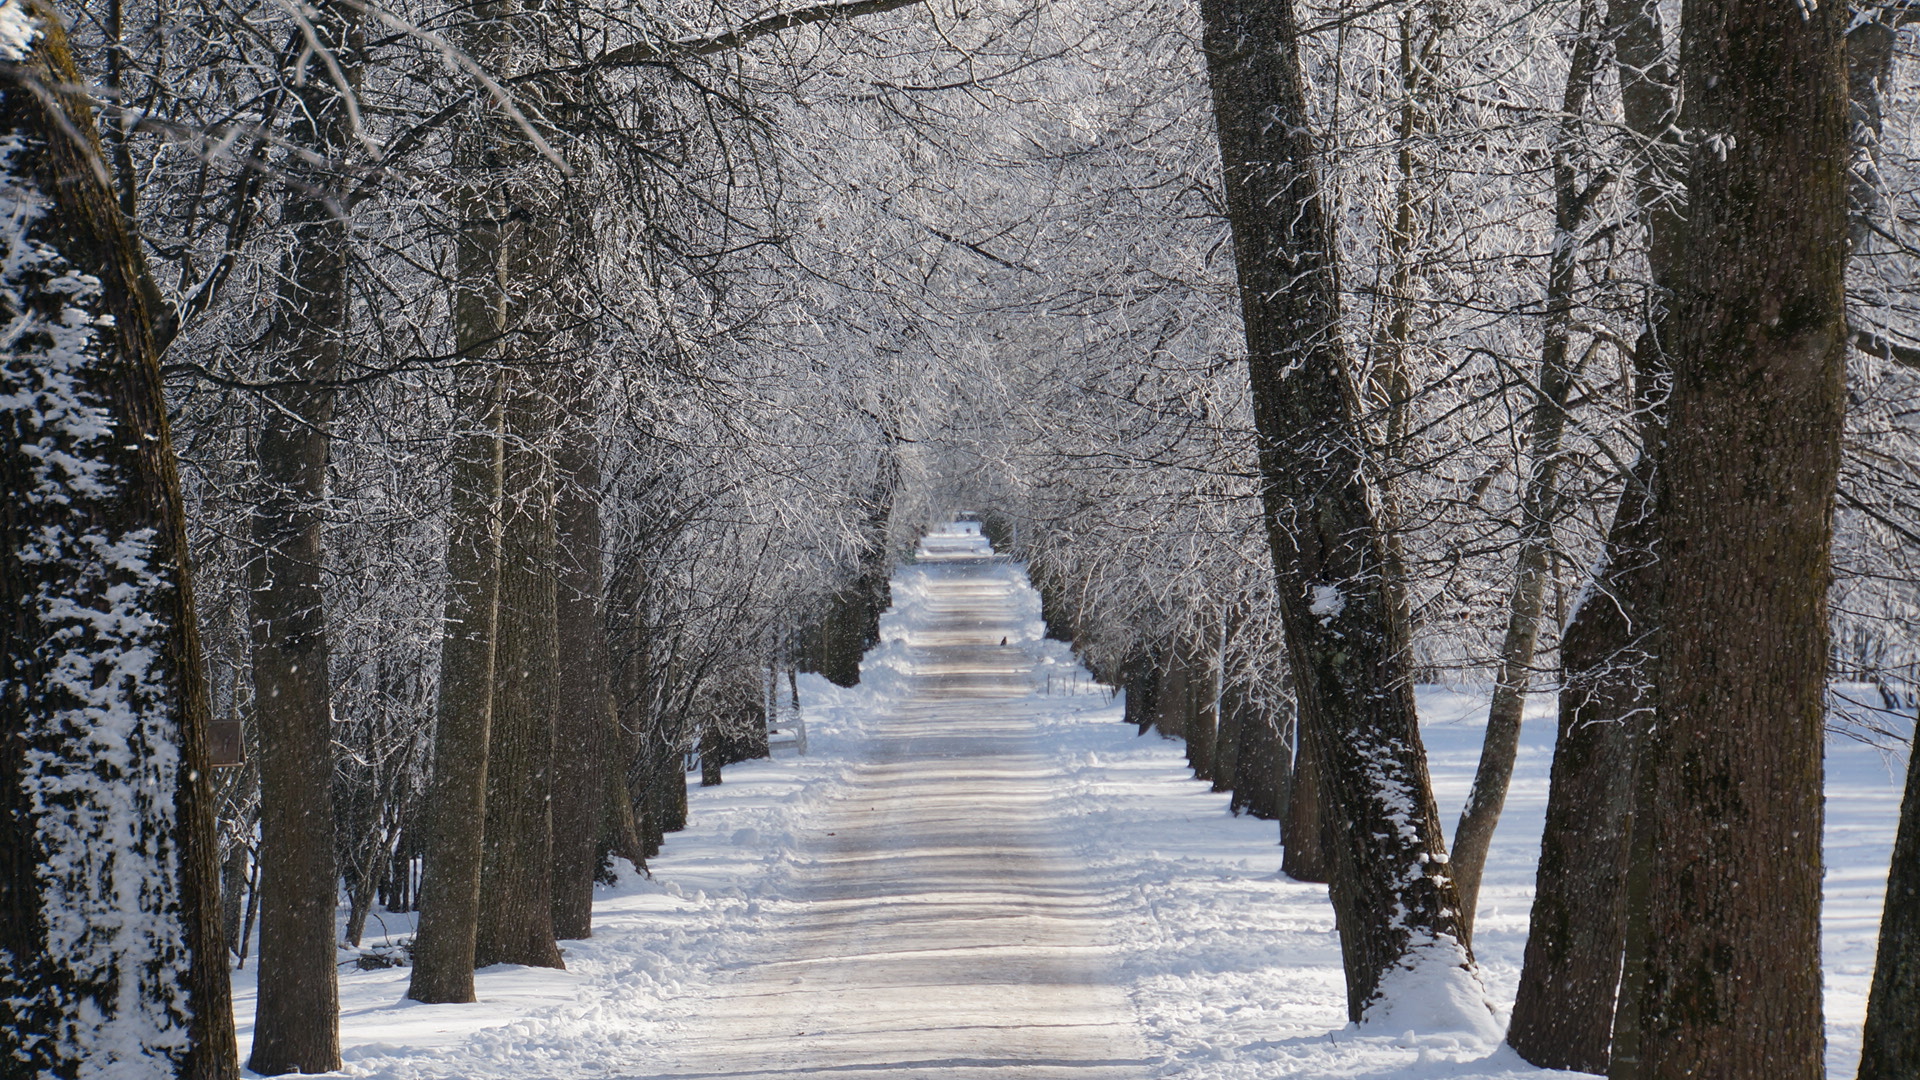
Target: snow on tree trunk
[
  {"x": 111, "y": 957},
  {"x": 1394, "y": 900}
]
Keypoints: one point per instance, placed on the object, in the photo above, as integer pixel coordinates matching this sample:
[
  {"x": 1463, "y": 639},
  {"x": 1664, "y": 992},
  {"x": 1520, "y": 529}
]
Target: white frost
[
  {"x": 17, "y": 31},
  {"x": 102, "y": 760},
  {"x": 1327, "y": 603}
]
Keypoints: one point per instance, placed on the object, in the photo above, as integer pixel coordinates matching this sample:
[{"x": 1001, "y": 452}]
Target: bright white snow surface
[{"x": 831, "y": 914}]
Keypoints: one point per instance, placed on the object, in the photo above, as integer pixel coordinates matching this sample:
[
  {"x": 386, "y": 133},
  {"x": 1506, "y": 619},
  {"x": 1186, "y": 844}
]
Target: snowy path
[
  {"x": 978, "y": 872},
  {"x": 943, "y": 928}
]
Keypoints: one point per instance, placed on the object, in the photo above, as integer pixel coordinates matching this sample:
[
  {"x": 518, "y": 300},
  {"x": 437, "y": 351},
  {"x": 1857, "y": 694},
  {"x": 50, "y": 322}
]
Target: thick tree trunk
[
  {"x": 1170, "y": 700},
  {"x": 666, "y": 797},
  {"x": 626, "y": 640},
  {"x": 1143, "y": 689},
  {"x": 296, "y": 1021},
  {"x": 516, "y": 922},
  {"x": 1745, "y": 510},
  {"x": 1540, "y": 497},
  {"x": 1890, "y": 1046},
  {"x": 106, "y": 808},
  {"x": 583, "y": 718},
  {"x": 488, "y": 243},
  {"x": 851, "y": 624},
  {"x": 1263, "y": 776},
  {"x": 1229, "y": 740},
  {"x": 1393, "y": 896}
]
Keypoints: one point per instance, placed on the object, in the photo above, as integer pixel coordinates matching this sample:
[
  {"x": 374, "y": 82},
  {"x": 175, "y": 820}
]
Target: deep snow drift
[{"x": 1230, "y": 970}]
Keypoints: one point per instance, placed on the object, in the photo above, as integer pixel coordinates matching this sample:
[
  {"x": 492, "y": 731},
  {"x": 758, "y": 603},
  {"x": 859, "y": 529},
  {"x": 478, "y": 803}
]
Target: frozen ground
[{"x": 978, "y": 871}]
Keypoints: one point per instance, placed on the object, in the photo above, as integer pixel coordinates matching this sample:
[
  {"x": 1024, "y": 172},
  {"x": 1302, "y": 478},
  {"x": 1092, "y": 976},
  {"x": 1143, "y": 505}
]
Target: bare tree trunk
[
  {"x": 1231, "y": 736},
  {"x": 106, "y": 807},
  {"x": 296, "y": 1022},
  {"x": 1304, "y": 830},
  {"x": 443, "y": 951},
  {"x": 1346, "y": 633},
  {"x": 583, "y": 719},
  {"x": 1540, "y": 499},
  {"x": 1263, "y": 776},
  {"x": 1890, "y": 1046},
  {"x": 1564, "y": 1013},
  {"x": 1143, "y": 689},
  {"x": 1202, "y": 727},
  {"x": 516, "y": 923},
  {"x": 1171, "y": 699},
  {"x": 1745, "y": 510}
]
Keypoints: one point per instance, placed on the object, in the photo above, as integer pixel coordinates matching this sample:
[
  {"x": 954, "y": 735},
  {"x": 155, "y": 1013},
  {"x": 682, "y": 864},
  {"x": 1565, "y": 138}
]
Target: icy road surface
[{"x": 945, "y": 927}]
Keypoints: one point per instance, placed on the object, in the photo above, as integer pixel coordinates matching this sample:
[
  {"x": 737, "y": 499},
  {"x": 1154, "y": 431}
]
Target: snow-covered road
[
  {"x": 977, "y": 871},
  {"x": 943, "y": 925}
]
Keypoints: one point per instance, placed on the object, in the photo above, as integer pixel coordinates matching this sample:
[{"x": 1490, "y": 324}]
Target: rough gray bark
[
  {"x": 113, "y": 710},
  {"x": 1142, "y": 688},
  {"x": 583, "y": 718},
  {"x": 1202, "y": 725},
  {"x": 456, "y": 798},
  {"x": 1303, "y": 829},
  {"x": 1346, "y": 633},
  {"x": 1564, "y": 1012}
]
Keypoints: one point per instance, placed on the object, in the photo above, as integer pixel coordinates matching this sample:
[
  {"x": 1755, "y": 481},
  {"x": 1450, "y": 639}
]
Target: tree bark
[
  {"x": 1346, "y": 634},
  {"x": 1540, "y": 498},
  {"x": 1304, "y": 830},
  {"x": 443, "y": 951},
  {"x": 1263, "y": 775},
  {"x": 1143, "y": 689},
  {"x": 1563, "y": 1013},
  {"x": 1172, "y": 699},
  {"x": 1229, "y": 739},
  {"x": 583, "y": 718},
  {"x": 1890, "y": 1046},
  {"x": 106, "y": 808},
  {"x": 516, "y": 923},
  {"x": 1745, "y": 510},
  {"x": 296, "y": 1021},
  {"x": 1202, "y": 727}
]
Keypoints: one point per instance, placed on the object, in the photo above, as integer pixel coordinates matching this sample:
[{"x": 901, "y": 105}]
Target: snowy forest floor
[{"x": 977, "y": 870}]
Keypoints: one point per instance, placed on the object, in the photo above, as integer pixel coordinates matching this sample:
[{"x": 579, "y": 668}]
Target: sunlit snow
[{"x": 780, "y": 928}]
